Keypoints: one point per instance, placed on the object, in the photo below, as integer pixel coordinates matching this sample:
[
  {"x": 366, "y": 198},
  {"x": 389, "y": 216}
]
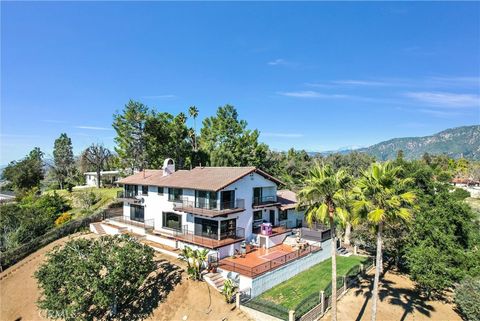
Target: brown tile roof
[
  {"x": 200, "y": 178},
  {"x": 287, "y": 199}
]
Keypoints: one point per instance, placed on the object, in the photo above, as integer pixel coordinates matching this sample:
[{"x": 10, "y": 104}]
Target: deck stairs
[
  {"x": 97, "y": 229},
  {"x": 215, "y": 279},
  {"x": 343, "y": 251}
]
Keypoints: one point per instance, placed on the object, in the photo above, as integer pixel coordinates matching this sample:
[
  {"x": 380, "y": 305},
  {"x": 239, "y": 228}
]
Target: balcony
[
  {"x": 282, "y": 227},
  {"x": 263, "y": 201},
  {"x": 212, "y": 241},
  {"x": 210, "y": 209},
  {"x": 148, "y": 225}
]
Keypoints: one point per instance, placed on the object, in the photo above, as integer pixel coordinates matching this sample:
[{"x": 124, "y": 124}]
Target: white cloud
[
  {"x": 283, "y": 135},
  {"x": 277, "y": 62},
  {"x": 445, "y": 99},
  {"x": 352, "y": 82},
  {"x": 439, "y": 113},
  {"x": 93, "y": 127},
  {"x": 311, "y": 94}
]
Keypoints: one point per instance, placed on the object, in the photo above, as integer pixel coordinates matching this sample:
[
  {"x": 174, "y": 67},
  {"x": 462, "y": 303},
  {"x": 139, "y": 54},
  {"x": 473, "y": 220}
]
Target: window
[
  {"x": 228, "y": 228},
  {"x": 205, "y": 199},
  {"x": 283, "y": 215},
  {"x": 175, "y": 194},
  {"x": 160, "y": 190},
  {"x": 136, "y": 212},
  {"x": 131, "y": 190},
  {"x": 144, "y": 189},
  {"x": 172, "y": 220},
  {"x": 206, "y": 228},
  {"x": 257, "y": 215}
]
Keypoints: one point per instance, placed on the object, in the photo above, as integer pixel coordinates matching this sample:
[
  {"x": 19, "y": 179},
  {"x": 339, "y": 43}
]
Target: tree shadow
[
  {"x": 155, "y": 289},
  {"x": 409, "y": 299}
]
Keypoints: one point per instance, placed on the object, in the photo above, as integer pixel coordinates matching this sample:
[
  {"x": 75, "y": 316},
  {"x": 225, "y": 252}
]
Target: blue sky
[{"x": 311, "y": 75}]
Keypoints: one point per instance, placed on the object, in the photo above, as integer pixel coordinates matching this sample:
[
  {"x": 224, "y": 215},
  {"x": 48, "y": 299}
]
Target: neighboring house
[
  {"x": 106, "y": 177},
  {"x": 232, "y": 211}
]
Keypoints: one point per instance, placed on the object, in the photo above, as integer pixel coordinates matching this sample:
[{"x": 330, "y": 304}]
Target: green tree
[
  {"x": 130, "y": 139},
  {"x": 97, "y": 156},
  {"x": 324, "y": 198},
  {"x": 443, "y": 244},
  {"x": 228, "y": 142},
  {"x": 64, "y": 163},
  {"x": 380, "y": 199},
  {"x": 26, "y": 173},
  {"x": 193, "y": 112},
  {"x": 97, "y": 279}
]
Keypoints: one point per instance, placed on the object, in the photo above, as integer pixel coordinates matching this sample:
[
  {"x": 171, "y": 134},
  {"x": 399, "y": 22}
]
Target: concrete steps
[
  {"x": 97, "y": 228},
  {"x": 215, "y": 279},
  {"x": 343, "y": 252}
]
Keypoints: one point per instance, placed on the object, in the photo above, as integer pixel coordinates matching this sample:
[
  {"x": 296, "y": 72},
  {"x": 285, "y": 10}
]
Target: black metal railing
[
  {"x": 263, "y": 200},
  {"x": 271, "y": 264},
  {"x": 126, "y": 194},
  {"x": 146, "y": 224},
  {"x": 205, "y": 208},
  {"x": 212, "y": 240}
]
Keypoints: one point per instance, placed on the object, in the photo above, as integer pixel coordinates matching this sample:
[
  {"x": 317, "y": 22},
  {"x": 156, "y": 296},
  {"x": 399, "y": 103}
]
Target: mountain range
[{"x": 455, "y": 142}]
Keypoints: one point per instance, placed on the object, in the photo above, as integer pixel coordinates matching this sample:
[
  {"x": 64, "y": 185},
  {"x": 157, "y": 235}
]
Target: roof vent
[{"x": 168, "y": 166}]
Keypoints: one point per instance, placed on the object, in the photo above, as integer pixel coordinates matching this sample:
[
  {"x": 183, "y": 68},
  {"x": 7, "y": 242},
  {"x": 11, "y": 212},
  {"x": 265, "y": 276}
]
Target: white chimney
[{"x": 168, "y": 166}]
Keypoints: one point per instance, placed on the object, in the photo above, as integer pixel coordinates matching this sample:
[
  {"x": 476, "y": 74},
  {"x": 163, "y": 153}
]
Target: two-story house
[{"x": 209, "y": 207}]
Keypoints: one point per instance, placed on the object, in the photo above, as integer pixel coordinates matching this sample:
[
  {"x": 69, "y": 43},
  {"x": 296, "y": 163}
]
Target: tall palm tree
[
  {"x": 382, "y": 197},
  {"x": 324, "y": 197},
  {"x": 193, "y": 111}
]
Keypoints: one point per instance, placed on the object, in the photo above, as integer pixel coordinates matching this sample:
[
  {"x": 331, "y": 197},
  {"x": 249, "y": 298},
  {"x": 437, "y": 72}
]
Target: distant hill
[{"x": 455, "y": 142}]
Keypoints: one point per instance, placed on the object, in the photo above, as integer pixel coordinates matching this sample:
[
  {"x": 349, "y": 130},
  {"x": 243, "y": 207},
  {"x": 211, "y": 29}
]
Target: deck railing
[
  {"x": 211, "y": 241},
  {"x": 146, "y": 224},
  {"x": 264, "y": 200},
  {"x": 207, "y": 208},
  {"x": 269, "y": 265}
]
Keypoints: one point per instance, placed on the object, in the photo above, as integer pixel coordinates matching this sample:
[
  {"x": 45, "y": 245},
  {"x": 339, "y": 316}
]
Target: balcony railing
[
  {"x": 126, "y": 194},
  {"x": 282, "y": 227},
  {"x": 264, "y": 200},
  {"x": 189, "y": 236},
  {"x": 254, "y": 271},
  {"x": 146, "y": 224},
  {"x": 209, "y": 209}
]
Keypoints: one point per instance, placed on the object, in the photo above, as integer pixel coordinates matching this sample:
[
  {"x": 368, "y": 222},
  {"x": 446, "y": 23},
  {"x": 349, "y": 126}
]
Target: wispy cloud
[
  {"x": 93, "y": 127},
  {"x": 440, "y": 113},
  {"x": 311, "y": 94},
  {"x": 353, "y": 82},
  {"x": 445, "y": 99},
  {"x": 277, "y": 62},
  {"x": 283, "y": 135},
  {"x": 166, "y": 96}
]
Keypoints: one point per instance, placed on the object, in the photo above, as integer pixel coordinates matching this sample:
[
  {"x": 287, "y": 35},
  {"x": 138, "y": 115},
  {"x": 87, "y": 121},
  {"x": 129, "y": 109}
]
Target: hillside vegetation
[{"x": 455, "y": 142}]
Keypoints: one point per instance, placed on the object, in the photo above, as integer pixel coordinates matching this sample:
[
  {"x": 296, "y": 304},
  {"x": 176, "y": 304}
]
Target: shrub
[
  {"x": 229, "y": 289},
  {"x": 467, "y": 298},
  {"x": 460, "y": 194},
  {"x": 99, "y": 279},
  {"x": 86, "y": 199},
  {"x": 62, "y": 219}
]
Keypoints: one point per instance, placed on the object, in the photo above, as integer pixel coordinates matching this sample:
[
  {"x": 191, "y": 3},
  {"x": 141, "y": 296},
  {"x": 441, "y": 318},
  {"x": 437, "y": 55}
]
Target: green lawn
[
  {"x": 106, "y": 195},
  {"x": 291, "y": 292}
]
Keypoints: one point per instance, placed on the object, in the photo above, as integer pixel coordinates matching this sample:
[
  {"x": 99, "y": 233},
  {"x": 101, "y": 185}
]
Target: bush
[
  {"x": 86, "y": 199},
  {"x": 62, "y": 219},
  {"x": 460, "y": 194},
  {"x": 98, "y": 279},
  {"x": 467, "y": 298}
]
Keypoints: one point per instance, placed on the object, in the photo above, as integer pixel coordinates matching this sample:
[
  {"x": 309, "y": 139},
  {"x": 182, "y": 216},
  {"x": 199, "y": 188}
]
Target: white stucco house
[
  {"x": 105, "y": 176},
  {"x": 231, "y": 211}
]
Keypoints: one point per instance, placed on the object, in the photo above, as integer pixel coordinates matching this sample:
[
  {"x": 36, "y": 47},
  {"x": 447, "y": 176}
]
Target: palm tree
[
  {"x": 193, "y": 111},
  {"x": 324, "y": 197},
  {"x": 381, "y": 198}
]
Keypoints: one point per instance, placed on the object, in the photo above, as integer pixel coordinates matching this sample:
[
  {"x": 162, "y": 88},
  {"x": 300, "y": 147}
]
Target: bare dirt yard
[
  {"x": 398, "y": 302},
  {"x": 188, "y": 300}
]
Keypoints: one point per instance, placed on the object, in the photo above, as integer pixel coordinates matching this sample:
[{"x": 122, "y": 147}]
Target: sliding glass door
[
  {"x": 206, "y": 228},
  {"x": 137, "y": 213}
]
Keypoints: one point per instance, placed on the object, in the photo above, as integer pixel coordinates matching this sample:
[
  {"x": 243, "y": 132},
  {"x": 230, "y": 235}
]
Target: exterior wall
[
  {"x": 244, "y": 190},
  {"x": 269, "y": 280},
  {"x": 91, "y": 180}
]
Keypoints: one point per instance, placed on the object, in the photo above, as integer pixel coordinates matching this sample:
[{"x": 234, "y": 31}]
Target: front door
[{"x": 272, "y": 217}]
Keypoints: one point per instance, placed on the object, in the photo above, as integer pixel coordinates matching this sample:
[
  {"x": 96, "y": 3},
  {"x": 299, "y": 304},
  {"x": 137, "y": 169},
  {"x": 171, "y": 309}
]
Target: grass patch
[
  {"x": 291, "y": 292},
  {"x": 106, "y": 196}
]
